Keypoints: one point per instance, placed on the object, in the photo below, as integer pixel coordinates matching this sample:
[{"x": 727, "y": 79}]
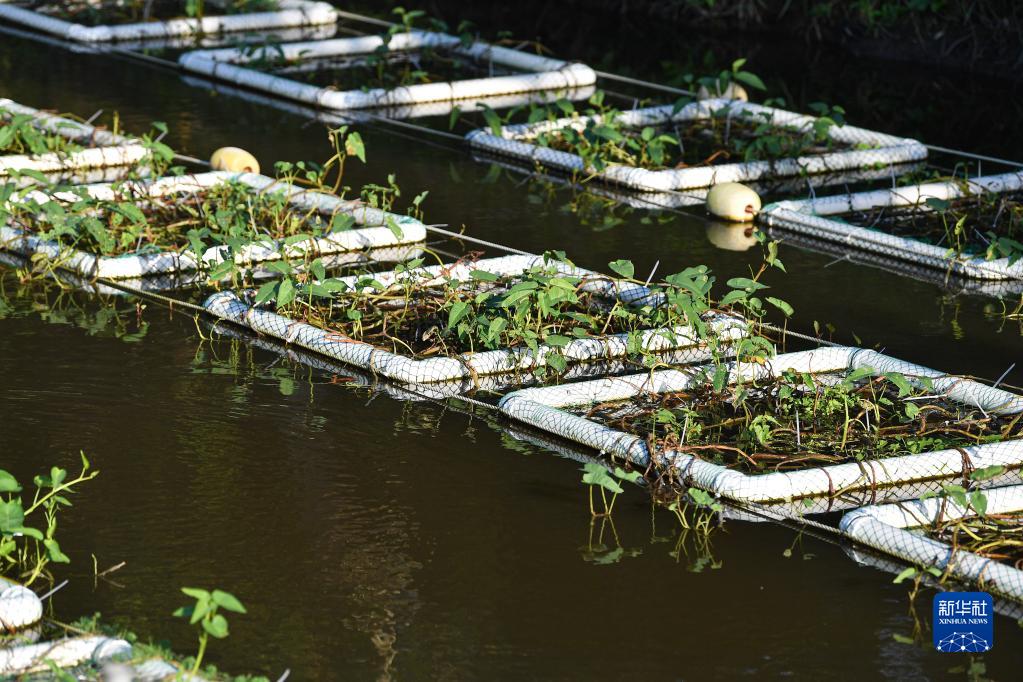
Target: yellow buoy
[
  {"x": 731, "y": 91},
  {"x": 731, "y": 237},
  {"x": 733, "y": 201},
  {"x": 234, "y": 159}
]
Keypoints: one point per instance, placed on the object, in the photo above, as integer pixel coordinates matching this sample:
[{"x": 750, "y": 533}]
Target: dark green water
[{"x": 372, "y": 537}]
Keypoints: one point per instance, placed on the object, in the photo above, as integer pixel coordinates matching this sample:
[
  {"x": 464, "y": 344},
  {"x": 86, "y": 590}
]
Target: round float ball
[
  {"x": 730, "y": 236},
  {"x": 733, "y": 201},
  {"x": 19, "y": 608},
  {"x": 731, "y": 91},
  {"x": 234, "y": 159}
]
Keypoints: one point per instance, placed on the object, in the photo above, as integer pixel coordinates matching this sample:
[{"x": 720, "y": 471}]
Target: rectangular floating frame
[
  {"x": 542, "y": 408},
  {"x": 231, "y": 64},
  {"x": 680, "y": 342},
  {"x": 811, "y": 217},
  {"x": 373, "y": 234},
  {"x": 517, "y": 141},
  {"x": 896, "y": 530},
  {"x": 290, "y": 13},
  {"x": 102, "y": 148}
]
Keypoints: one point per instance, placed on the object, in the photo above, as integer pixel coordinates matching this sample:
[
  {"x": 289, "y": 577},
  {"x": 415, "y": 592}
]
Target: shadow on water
[{"x": 372, "y": 537}]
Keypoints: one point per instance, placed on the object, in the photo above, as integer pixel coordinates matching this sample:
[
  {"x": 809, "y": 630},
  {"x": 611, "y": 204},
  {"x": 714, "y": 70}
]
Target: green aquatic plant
[
  {"x": 797, "y": 420},
  {"x": 28, "y": 547},
  {"x": 606, "y": 480},
  {"x": 21, "y": 134},
  {"x": 978, "y": 223},
  {"x": 425, "y": 314},
  {"x": 205, "y": 613}
]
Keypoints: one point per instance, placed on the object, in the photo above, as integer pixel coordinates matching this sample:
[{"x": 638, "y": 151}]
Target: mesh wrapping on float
[
  {"x": 542, "y": 408},
  {"x": 809, "y": 217},
  {"x": 233, "y": 65},
  {"x": 899, "y": 529},
  {"x": 373, "y": 234},
  {"x": 289, "y": 13},
  {"x": 682, "y": 343},
  {"x": 870, "y": 148},
  {"x": 102, "y": 148}
]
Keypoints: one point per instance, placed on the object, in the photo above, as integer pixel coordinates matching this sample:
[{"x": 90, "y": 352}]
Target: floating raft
[
  {"x": 290, "y": 13},
  {"x": 544, "y": 409},
  {"x": 821, "y": 218},
  {"x": 101, "y": 148},
  {"x": 236, "y": 65},
  {"x": 683, "y": 343},
  {"x": 867, "y": 148},
  {"x": 373, "y": 234}
]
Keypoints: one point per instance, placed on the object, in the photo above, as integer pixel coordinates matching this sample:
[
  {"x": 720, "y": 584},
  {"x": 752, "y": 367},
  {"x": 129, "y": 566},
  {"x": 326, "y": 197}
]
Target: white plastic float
[
  {"x": 897, "y": 529},
  {"x": 820, "y": 218},
  {"x": 373, "y": 232},
  {"x": 20, "y": 607},
  {"x": 64, "y": 653},
  {"x": 101, "y": 148},
  {"x": 543, "y": 408},
  {"x": 289, "y": 13},
  {"x": 235, "y": 65},
  {"x": 868, "y": 148},
  {"x": 406, "y": 369}
]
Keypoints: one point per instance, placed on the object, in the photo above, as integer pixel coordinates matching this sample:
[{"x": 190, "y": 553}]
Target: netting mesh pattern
[
  {"x": 103, "y": 148},
  {"x": 373, "y": 233},
  {"x": 543, "y": 408},
  {"x": 869, "y": 148},
  {"x": 229, "y": 64},
  {"x": 682, "y": 342},
  {"x": 289, "y": 13},
  {"x": 810, "y": 217},
  {"x": 899, "y": 529},
  {"x": 949, "y": 281}
]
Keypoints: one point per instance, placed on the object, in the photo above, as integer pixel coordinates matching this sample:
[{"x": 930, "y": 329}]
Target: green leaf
[
  {"x": 902, "y": 639},
  {"x": 53, "y": 549},
  {"x": 286, "y": 386},
  {"x": 228, "y": 601},
  {"x": 12, "y": 515},
  {"x": 625, "y": 268},
  {"x": 457, "y": 312},
  {"x": 908, "y": 573},
  {"x": 216, "y": 626},
  {"x": 557, "y": 340},
  {"x": 746, "y": 284},
  {"x": 750, "y": 79},
  {"x": 265, "y": 292},
  {"x": 987, "y": 473},
  {"x": 493, "y": 120},
  {"x": 8, "y": 484},
  {"x": 596, "y": 474},
  {"x": 781, "y": 305},
  {"x": 285, "y": 292},
  {"x": 484, "y": 276},
  {"x": 901, "y": 382},
  {"x": 978, "y": 501},
  {"x": 354, "y": 146}
]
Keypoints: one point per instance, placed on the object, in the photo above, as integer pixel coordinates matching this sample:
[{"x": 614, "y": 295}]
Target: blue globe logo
[{"x": 963, "y": 642}]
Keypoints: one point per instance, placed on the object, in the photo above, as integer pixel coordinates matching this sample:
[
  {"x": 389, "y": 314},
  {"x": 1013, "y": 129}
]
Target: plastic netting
[
  {"x": 547, "y": 409},
  {"x": 865, "y": 148},
  {"x": 236, "y": 65},
  {"x": 907, "y": 530},
  {"x": 820, "y": 217},
  {"x": 949, "y": 281},
  {"x": 374, "y": 231},
  {"x": 289, "y": 13},
  {"x": 681, "y": 343},
  {"x": 101, "y": 148}
]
